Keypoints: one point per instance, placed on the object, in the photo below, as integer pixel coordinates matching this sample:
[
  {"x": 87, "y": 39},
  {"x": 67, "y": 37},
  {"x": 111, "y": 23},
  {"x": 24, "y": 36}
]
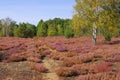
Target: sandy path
[{"x": 51, "y": 65}]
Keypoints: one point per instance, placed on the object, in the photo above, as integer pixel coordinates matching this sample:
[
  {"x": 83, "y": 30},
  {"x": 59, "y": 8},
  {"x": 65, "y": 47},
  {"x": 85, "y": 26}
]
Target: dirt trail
[{"x": 51, "y": 65}]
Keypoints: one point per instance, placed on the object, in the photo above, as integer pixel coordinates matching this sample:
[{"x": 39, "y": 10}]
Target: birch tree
[{"x": 96, "y": 13}]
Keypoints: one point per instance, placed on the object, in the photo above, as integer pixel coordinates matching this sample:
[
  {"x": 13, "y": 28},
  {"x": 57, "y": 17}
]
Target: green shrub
[
  {"x": 69, "y": 32},
  {"x": 107, "y": 36}
]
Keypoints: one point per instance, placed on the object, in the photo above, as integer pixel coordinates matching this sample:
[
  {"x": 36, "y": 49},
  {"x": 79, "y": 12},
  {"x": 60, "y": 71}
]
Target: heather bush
[
  {"x": 101, "y": 67},
  {"x": 57, "y": 56},
  {"x": 70, "y": 54},
  {"x": 34, "y": 59},
  {"x": 118, "y": 74},
  {"x": 86, "y": 58},
  {"x": 113, "y": 59},
  {"x": 60, "y": 48},
  {"x": 54, "y": 56},
  {"x": 46, "y": 52},
  {"x": 80, "y": 70},
  {"x": 13, "y": 50},
  {"x": 65, "y": 72},
  {"x": 68, "y": 62},
  {"x": 1, "y": 55},
  {"x": 39, "y": 68},
  {"x": 4, "y": 47},
  {"x": 16, "y": 58},
  {"x": 72, "y": 71}
]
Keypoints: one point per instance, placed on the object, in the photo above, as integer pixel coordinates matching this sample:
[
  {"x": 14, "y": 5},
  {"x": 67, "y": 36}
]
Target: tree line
[{"x": 52, "y": 27}]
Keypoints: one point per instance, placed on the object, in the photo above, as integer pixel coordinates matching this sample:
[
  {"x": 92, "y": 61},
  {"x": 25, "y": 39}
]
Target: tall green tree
[
  {"x": 59, "y": 30},
  {"x": 52, "y": 31},
  {"x": 109, "y": 19},
  {"x": 76, "y": 25},
  {"x": 16, "y": 31},
  {"x": 11, "y": 28},
  {"x": 69, "y": 32},
  {"x": 30, "y": 30},
  {"x": 24, "y": 30},
  {"x": 96, "y": 13},
  {"x": 42, "y": 29},
  {"x": 20, "y": 31},
  {"x": 7, "y": 27}
]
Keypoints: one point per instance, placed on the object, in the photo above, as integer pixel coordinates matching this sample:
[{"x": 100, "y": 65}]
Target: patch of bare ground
[
  {"x": 51, "y": 65},
  {"x": 18, "y": 71}
]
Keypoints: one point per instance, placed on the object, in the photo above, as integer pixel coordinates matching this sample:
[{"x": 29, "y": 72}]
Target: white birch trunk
[{"x": 94, "y": 33}]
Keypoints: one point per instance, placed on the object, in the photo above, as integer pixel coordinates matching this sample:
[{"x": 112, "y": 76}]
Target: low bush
[
  {"x": 46, "y": 52},
  {"x": 34, "y": 59},
  {"x": 69, "y": 32},
  {"x": 113, "y": 59},
  {"x": 118, "y": 74},
  {"x": 80, "y": 70},
  {"x": 101, "y": 67},
  {"x": 39, "y": 68},
  {"x": 1, "y": 55},
  {"x": 16, "y": 58},
  {"x": 60, "y": 48},
  {"x": 65, "y": 72},
  {"x": 70, "y": 61}
]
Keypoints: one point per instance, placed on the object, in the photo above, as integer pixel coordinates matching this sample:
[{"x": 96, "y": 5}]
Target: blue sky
[{"x": 33, "y": 10}]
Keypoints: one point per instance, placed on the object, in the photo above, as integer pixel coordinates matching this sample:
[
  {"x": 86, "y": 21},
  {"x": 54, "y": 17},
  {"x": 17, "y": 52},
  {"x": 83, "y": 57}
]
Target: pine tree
[{"x": 39, "y": 28}]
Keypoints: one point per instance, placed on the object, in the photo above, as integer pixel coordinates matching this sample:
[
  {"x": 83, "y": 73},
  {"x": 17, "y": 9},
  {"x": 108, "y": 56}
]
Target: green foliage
[
  {"x": 1, "y": 34},
  {"x": 7, "y": 27},
  {"x": 42, "y": 29},
  {"x": 20, "y": 31},
  {"x": 102, "y": 14},
  {"x": 54, "y": 27},
  {"x": 59, "y": 30},
  {"x": 15, "y": 31},
  {"x": 30, "y": 30},
  {"x": 107, "y": 37},
  {"x": 69, "y": 32},
  {"x": 11, "y": 28},
  {"x": 25, "y": 30},
  {"x": 52, "y": 30}
]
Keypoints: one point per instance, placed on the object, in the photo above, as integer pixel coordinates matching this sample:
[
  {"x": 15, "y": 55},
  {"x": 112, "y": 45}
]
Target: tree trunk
[{"x": 94, "y": 34}]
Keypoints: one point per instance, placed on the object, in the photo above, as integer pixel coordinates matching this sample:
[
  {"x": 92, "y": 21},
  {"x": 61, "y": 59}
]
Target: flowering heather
[
  {"x": 72, "y": 59},
  {"x": 39, "y": 68},
  {"x": 34, "y": 59},
  {"x": 65, "y": 72},
  {"x": 102, "y": 67}
]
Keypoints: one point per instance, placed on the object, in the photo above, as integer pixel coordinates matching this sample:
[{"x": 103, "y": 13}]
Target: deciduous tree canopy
[{"x": 103, "y": 14}]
